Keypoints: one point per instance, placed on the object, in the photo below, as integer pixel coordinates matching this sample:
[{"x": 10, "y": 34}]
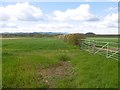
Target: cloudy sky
[{"x": 72, "y": 17}]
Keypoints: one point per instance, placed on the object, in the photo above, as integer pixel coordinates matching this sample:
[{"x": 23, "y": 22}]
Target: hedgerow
[{"x": 74, "y": 39}]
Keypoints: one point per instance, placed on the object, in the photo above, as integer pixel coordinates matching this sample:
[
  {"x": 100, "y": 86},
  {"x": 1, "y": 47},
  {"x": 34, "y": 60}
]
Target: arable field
[
  {"x": 52, "y": 63},
  {"x": 113, "y": 41},
  {"x": 103, "y": 39}
]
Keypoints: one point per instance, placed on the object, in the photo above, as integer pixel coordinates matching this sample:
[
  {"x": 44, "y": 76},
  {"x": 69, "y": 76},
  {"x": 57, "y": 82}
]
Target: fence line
[{"x": 109, "y": 49}]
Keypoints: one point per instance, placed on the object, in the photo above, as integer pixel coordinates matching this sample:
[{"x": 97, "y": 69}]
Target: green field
[
  {"x": 52, "y": 63},
  {"x": 113, "y": 42},
  {"x": 103, "y": 39}
]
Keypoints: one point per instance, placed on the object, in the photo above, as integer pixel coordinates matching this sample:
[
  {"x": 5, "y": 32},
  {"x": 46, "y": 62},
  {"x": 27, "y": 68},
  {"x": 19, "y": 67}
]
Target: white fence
[{"x": 109, "y": 49}]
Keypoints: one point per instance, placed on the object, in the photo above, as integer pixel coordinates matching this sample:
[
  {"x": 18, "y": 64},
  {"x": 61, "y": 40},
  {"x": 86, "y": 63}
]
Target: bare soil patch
[{"x": 58, "y": 71}]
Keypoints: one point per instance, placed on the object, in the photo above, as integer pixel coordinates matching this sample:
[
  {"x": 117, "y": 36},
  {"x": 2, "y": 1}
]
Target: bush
[
  {"x": 74, "y": 39},
  {"x": 64, "y": 57}
]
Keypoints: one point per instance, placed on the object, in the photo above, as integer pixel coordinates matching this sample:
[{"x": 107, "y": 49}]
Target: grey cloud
[
  {"x": 93, "y": 19},
  {"x": 7, "y": 26},
  {"x": 4, "y": 17}
]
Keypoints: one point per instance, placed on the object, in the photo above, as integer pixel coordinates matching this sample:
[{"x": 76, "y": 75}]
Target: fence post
[
  {"x": 93, "y": 46},
  {"x": 107, "y": 51}
]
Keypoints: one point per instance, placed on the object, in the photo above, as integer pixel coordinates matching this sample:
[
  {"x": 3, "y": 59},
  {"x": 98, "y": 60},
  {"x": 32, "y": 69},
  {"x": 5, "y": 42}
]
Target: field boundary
[{"x": 108, "y": 49}]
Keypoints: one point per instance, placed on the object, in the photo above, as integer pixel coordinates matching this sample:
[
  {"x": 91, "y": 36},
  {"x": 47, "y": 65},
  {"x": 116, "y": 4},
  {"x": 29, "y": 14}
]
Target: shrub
[
  {"x": 64, "y": 57},
  {"x": 74, "y": 39}
]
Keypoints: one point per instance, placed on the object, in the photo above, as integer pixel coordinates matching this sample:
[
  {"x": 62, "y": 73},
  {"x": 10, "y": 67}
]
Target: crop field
[
  {"x": 53, "y": 63},
  {"x": 111, "y": 39},
  {"x": 113, "y": 42}
]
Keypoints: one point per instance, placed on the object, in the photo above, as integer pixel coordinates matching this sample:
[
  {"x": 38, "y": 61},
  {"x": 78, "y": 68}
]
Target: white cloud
[
  {"x": 109, "y": 21},
  {"x": 3, "y": 15},
  {"x": 115, "y": 0},
  {"x": 21, "y": 11},
  {"x": 81, "y": 13},
  {"x": 112, "y": 17},
  {"x": 107, "y": 25},
  {"x": 71, "y": 20},
  {"x": 55, "y": 27},
  {"x": 8, "y": 25}
]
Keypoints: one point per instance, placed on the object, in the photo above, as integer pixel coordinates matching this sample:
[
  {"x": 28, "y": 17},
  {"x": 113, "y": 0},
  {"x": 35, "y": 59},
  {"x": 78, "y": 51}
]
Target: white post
[
  {"x": 107, "y": 51},
  {"x": 93, "y": 46}
]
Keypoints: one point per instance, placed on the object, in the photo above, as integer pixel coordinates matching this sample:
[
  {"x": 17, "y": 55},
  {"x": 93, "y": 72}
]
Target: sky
[{"x": 71, "y": 17}]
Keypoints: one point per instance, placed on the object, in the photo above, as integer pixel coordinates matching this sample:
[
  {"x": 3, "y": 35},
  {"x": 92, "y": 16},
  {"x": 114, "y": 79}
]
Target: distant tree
[{"x": 90, "y": 34}]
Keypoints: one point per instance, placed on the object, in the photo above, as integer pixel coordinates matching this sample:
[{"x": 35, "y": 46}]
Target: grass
[
  {"x": 64, "y": 57},
  {"x": 111, "y": 39},
  {"x": 24, "y": 60},
  {"x": 113, "y": 42}
]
